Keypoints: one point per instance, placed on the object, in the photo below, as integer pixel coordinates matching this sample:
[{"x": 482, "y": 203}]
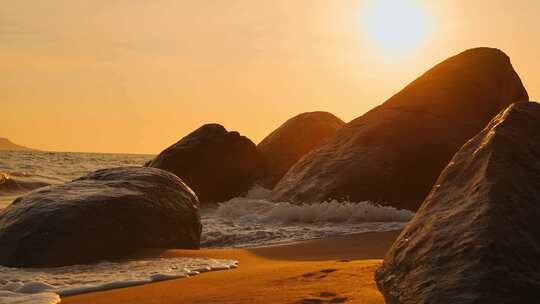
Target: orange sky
[{"x": 135, "y": 76}]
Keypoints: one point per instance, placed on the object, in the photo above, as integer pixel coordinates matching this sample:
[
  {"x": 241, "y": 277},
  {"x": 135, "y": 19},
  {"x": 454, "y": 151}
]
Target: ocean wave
[
  {"x": 255, "y": 208},
  {"x": 19, "y": 183},
  {"x": 254, "y": 221},
  {"x": 24, "y": 171}
]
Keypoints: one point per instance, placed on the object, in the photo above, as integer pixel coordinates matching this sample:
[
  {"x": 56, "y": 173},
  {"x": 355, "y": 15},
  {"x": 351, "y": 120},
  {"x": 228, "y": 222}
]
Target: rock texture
[
  {"x": 293, "y": 139},
  {"x": 476, "y": 237},
  {"x": 104, "y": 215},
  {"x": 218, "y": 165},
  {"x": 394, "y": 153}
]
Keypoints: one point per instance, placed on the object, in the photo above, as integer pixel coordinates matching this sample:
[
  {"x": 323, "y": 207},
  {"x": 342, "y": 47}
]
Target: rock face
[
  {"x": 476, "y": 237},
  {"x": 104, "y": 215},
  {"x": 218, "y": 165},
  {"x": 394, "y": 153},
  {"x": 293, "y": 139}
]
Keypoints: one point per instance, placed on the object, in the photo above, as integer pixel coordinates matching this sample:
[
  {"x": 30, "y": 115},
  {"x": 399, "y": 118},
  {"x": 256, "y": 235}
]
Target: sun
[{"x": 396, "y": 26}]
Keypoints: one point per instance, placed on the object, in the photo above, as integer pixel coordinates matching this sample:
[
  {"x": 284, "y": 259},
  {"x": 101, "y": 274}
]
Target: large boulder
[
  {"x": 476, "y": 237},
  {"x": 104, "y": 215},
  {"x": 293, "y": 139},
  {"x": 218, "y": 165},
  {"x": 393, "y": 153}
]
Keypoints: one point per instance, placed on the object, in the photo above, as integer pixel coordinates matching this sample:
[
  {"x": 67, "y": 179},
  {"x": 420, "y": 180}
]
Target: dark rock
[
  {"x": 293, "y": 139},
  {"x": 476, "y": 237},
  {"x": 6, "y": 144},
  {"x": 104, "y": 215},
  {"x": 218, "y": 165},
  {"x": 393, "y": 154}
]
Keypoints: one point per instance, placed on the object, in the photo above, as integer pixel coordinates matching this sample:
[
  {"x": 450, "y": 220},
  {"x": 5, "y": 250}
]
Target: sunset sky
[{"x": 136, "y": 75}]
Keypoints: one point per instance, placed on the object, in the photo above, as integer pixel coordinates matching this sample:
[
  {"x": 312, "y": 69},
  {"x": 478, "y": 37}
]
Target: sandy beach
[
  {"x": 245, "y": 152},
  {"x": 330, "y": 270}
]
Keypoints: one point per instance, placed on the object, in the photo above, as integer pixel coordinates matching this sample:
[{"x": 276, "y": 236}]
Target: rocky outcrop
[
  {"x": 104, "y": 215},
  {"x": 218, "y": 165},
  {"x": 6, "y": 144},
  {"x": 476, "y": 237},
  {"x": 394, "y": 153},
  {"x": 293, "y": 139}
]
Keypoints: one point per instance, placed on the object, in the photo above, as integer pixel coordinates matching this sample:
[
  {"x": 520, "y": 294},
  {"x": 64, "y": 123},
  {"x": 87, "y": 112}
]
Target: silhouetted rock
[
  {"x": 218, "y": 165},
  {"x": 476, "y": 237},
  {"x": 293, "y": 139},
  {"x": 104, "y": 215},
  {"x": 394, "y": 153},
  {"x": 6, "y": 144}
]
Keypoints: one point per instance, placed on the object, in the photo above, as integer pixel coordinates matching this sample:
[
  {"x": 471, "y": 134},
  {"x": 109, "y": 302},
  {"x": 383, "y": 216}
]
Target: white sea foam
[
  {"x": 254, "y": 221},
  {"x": 240, "y": 222},
  {"x": 8, "y": 297},
  {"x": 256, "y": 210},
  {"x": 46, "y": 285}
]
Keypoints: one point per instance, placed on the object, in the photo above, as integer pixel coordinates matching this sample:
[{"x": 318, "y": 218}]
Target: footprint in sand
[
  {"x": 310, "y": 301},
  {"x": 321, "y": 301},
  {"x": 338, "y": 300},
  {"x": 329, "y": 270},
  {"x": 321, "y": 274}
]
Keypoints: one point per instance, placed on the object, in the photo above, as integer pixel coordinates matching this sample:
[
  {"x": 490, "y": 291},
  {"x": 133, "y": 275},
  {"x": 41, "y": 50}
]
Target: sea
[{"x": 245, "y": 221}]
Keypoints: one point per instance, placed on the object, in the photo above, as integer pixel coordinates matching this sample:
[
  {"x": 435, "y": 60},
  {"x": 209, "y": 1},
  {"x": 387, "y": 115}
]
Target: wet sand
[{"x": 331, "y": 270}]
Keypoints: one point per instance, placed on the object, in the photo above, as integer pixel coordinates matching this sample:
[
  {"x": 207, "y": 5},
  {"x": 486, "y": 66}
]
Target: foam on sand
[
  {"x": 9, "y": 297},
  {"x": 46, "y": 285}
]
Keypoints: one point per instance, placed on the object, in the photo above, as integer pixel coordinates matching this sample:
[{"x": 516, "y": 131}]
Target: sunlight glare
[{"x": 396, "y": 26}]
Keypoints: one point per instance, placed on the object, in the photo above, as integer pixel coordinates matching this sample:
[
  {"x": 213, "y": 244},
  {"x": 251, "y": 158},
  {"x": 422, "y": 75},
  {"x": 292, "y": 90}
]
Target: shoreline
[{"x": 338, "y": 269}]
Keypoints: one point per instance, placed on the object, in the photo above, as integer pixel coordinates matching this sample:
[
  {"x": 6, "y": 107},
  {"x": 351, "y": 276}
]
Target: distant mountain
[{"x": 6, "y": 144}]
